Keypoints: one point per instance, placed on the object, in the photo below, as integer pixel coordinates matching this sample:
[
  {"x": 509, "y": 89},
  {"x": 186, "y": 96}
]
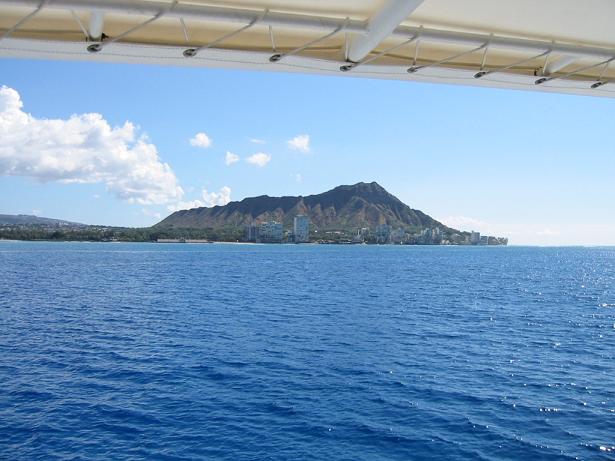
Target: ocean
[{"x": 305, "y": 352}]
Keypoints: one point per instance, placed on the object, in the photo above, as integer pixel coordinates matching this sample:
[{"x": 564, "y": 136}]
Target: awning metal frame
[
  {"x": 362, "y": 37},
  {"x": 414, "y": 68},
  {"x": 18, "y": 24},
  {"x": 278, "y": 56},
  {"x": 276, "y": 19},
  {"x": 192, "y": 52},
  {"x": 353, "y": 65},
  {"x": 605, "y": 63},
  {"x": 380, "y": 26}
]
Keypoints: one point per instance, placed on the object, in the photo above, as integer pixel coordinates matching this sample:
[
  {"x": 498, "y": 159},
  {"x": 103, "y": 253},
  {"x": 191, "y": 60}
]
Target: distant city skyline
[{"x": 128, "y": 144}]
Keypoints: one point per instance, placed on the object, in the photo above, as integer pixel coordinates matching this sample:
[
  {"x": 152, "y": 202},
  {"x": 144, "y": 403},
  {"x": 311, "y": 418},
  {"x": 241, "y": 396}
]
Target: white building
[
  {"x": 301, "y": 229},
  {"x": 383, "y": 233},
  {"x": 251, "y": 233},
  {"x": 270, "y": 232},
  {"x": 398, "y": 236},
  {"x": 474, "y": 238}
]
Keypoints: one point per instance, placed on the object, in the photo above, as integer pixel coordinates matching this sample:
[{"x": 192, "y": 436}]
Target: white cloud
[
  {"x": 547, "y": 232},
  {"x": 201, "y": 140},
  {"x": 260, "y": 158},
  {"x": 152, "y": 214},
  {"x": 185, "y": 205},
  {"x": 83, "y": 149},
  {"x": 230, "y": 158},
  {"x": 208, "y": 199},
  {"x": 257, "y": 141},
  {"x": 36, "y": 212},
  {"x": 465, "y": 223},
  {"x": 298, "y": 177},
  {"x": 300, "y": 142},
  {"x": 217, "y": 198}
]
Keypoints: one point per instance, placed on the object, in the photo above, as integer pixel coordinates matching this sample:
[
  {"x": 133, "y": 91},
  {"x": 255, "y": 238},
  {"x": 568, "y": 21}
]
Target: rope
[
  {"x": 7, "y": 33},
  {"x": 99, "y": 46},
  {"x": 413, "y": 69},
  {"x": 276, "y": 57},
  {"x": 191, "y": 52},
  {"x": 350, "y": 66}
]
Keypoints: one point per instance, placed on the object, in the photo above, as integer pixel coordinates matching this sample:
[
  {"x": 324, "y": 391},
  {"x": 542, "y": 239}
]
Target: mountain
[
  {"x": 29, "y": 220},
  {"x": 345, "y": 207}
]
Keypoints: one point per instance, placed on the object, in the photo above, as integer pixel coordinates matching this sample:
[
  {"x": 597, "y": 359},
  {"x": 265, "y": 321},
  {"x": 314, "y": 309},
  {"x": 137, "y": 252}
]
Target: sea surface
[{"x": 118, "y": 351}]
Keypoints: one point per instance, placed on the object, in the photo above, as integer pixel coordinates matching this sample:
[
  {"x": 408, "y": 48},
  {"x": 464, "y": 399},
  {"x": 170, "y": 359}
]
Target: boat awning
[{"x": 562, "y": 46}]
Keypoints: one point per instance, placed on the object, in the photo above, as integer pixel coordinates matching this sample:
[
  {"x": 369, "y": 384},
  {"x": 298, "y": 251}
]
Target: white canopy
[{"x": 549, "y": 45}]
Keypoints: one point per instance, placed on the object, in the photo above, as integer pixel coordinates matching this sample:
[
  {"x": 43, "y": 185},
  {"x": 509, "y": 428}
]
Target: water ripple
[{"x": 176, "y": 352}]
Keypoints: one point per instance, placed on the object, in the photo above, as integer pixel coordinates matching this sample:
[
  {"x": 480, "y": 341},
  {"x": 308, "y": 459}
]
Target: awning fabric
[{"x": 563, "y": 46}]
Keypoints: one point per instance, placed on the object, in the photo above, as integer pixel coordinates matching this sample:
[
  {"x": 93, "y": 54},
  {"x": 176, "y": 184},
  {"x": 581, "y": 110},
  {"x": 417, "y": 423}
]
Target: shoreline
[{"x": 311, "y": 244}]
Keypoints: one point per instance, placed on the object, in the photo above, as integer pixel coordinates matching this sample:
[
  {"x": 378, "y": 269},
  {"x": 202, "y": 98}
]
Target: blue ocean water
[{"x": 282, "y": 352}]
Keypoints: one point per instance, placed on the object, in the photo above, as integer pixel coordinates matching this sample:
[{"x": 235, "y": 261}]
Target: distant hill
[
  {"x": 345, "y": 207},
  {"x": 29, "y": 220}
]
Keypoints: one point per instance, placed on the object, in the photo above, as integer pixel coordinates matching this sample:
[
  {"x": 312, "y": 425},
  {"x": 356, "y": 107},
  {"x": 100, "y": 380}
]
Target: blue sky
[{"x": 536, "y": 167}]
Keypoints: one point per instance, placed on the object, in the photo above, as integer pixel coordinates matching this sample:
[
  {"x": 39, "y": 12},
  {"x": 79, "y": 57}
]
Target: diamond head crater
[{"x": 363, "y": 213}]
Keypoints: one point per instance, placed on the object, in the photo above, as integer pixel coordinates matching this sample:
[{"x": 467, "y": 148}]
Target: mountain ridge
[
  {"x": 31, "y": 220},
  {"x": 343, "y": 207}
]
